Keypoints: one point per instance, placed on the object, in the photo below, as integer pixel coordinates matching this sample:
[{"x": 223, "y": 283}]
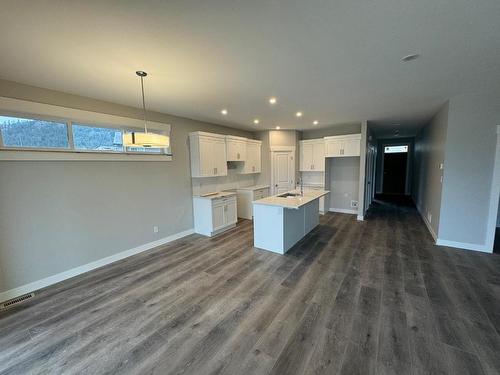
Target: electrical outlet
[
  {"x": 354, "y": 204},
  {"x": 156, "y": 229}
]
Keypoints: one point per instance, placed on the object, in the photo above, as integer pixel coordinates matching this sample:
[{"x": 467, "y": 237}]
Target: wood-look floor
[{"x": 373, "y": 297}]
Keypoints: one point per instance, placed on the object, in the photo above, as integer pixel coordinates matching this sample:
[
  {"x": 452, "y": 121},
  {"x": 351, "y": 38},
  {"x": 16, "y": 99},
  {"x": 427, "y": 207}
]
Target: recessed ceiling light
[
  {"x": 256, "y": 121},
  {"x": 278, "y": 128},
  {"x": 315, "y": 122},
  {"x": 272, "y": 100},
  {"x": 224, "y": 112},
  {"x": 298, "y": 114},
  {"x": 411, "y": 57}
]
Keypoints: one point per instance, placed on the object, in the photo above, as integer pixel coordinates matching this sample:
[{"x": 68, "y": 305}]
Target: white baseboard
[
  {"x": 39, "y": 284},
  {"x": 360, "y": 218},
  {"x": 344, "y": 211},
  {"x": 427, "y": 224},
  {"x": 464, "y": 245}
]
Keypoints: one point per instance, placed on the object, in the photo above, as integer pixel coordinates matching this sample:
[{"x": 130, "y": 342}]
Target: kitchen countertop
[
  {"x": 255, "y": 187},
  {"x": 221, "y": 194},
  {"x": 292, "y": 202}
]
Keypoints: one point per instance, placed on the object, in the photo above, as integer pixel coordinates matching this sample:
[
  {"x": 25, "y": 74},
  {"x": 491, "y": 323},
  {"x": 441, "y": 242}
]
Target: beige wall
[{"x": 55, "y": 216}]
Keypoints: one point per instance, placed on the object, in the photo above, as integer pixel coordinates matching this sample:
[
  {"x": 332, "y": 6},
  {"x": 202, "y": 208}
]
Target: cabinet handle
[
  {"x": 253, "y": 169},
  {"x": 238, "y": 156},
  {"x": 215, "y": 170}
]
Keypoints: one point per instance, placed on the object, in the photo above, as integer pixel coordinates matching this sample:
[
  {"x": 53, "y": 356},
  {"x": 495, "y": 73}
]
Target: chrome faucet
[{"x": 301, "y": 186}]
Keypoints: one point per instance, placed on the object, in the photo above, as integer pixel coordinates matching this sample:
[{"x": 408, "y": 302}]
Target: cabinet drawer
[{"x": 222, "y": 201}]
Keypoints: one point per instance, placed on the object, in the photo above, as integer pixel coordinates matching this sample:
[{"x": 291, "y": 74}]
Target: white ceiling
[{"x": 338, "y": 61}]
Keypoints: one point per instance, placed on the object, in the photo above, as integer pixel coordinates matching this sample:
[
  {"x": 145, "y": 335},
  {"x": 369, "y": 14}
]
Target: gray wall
[
  {"x": 470, "y": 154},
  {"x": 429, "y": 153},
  {"x": 343, "y": 174},
  {"x": 55, "y": 216},
  {"x": 341, "y": 129}
]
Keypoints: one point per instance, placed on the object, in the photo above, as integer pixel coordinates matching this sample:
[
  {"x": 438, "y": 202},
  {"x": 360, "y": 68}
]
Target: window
[
  {"x": 97, "y": 139},
  {"x": 29, "y": 133},
  {"x": 18, "y": 133},
  {"x": 395, "y": 149}
]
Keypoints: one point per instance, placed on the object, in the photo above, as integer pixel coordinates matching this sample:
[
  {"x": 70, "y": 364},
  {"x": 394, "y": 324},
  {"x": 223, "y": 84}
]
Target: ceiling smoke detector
[{"x": 411, "y": 57}]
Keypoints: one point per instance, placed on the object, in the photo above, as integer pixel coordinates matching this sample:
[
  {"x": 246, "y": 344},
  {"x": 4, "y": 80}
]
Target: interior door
[{"x": 283, "y": 171}]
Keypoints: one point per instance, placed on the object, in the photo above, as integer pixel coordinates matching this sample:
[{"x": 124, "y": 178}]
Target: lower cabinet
[
  {"x": 214, "y": 215},
  {"x": 245, "y": 199}
]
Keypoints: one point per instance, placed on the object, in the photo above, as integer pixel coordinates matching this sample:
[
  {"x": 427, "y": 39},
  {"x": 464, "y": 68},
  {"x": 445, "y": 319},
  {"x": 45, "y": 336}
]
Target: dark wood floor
[{"x": 373, "y": 297}]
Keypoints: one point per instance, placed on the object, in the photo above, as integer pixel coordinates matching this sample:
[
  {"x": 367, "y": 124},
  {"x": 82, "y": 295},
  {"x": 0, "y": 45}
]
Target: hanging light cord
[{"x": 144, "y": 105}]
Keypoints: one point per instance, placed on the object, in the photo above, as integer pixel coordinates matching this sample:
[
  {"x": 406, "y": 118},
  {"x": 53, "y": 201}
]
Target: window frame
[{"x": 71, "y": 153}]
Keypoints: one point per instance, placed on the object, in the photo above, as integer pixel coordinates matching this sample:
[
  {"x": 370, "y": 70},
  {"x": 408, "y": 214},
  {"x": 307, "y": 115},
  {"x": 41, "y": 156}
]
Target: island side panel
[
  {"x": 268, "y": 228},
  {"x": 293, "y": 226},
  {"x": 311, "y": 217}
]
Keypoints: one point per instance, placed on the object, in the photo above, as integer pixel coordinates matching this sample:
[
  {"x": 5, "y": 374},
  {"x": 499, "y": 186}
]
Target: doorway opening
[{"x": 395, "y": 169}]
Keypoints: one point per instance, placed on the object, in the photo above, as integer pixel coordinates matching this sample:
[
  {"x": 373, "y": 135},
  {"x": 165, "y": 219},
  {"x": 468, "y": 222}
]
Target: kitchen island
[{"x": 280, "y": 221}]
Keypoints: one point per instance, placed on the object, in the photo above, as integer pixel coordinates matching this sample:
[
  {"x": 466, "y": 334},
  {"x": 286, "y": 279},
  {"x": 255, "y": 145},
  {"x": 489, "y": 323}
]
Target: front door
[
  {"x": 283, "y": 171},
  {"x": 395, "y": 163}
]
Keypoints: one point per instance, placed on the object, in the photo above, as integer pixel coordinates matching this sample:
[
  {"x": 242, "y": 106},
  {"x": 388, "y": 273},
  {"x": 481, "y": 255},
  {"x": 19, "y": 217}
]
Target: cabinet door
[
  {"x": 217, "y": 217},
  {"x": 318, "y": 156},
  {"x": 230, "y": 216},
  {"x": 333, "y": 148},
  {"x": 219, "y": 157},
  {"x": 252, "y": 163},
  {"x": 207, "y": 165},
  {"x": 236, "y": 150},
  {"x": 351, "y": 147},
  {"x": 257, "y": 158},
  {"x": 306, "y": 157}
]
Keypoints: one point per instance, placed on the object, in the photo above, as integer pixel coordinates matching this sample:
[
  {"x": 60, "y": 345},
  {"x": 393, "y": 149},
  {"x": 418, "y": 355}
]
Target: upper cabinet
[
  {"x": 342, "y": 146},
  {"x": 312, "y": 155},
  {"x": 253, "y": 157},
  {"x": 208, "y": 154},
  {"x": 236, "y": 148}
]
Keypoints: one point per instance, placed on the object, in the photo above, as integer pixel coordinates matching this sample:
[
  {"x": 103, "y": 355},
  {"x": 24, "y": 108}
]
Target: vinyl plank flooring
[{"x": 372, "y": 297}]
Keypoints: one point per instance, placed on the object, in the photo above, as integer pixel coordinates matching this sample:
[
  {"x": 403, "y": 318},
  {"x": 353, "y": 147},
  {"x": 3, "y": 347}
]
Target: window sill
[{"x": 16, "y": 155}]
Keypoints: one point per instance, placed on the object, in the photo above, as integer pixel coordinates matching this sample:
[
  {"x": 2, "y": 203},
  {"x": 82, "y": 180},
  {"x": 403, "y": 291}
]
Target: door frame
[
  {"x": 291, "y": 149},
  {"x": 408, "y": 165},
  {"x": 494, "y": 199}
]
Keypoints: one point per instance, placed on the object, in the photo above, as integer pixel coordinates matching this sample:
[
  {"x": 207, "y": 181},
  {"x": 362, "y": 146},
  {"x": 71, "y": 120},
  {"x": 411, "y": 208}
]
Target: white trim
[
  {"x": 360, "y": 218},
  {"x": 494, "y": 197},
  {"x": 39, "y": 284},
  {"x": 427, "y": 224},
  {"x": 283, "y": 148},
  {"x": 344, "y": 211},
  {"x": 24, "y": 155},
  {"x": 463, "y": 245}
]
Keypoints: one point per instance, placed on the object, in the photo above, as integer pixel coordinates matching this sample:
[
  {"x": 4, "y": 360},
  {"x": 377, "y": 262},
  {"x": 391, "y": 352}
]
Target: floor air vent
[{"x": 14, "y": 301}]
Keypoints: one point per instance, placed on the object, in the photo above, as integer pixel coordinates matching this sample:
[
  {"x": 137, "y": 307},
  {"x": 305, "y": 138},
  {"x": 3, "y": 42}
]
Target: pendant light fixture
[{"x": 145, "y": 139}]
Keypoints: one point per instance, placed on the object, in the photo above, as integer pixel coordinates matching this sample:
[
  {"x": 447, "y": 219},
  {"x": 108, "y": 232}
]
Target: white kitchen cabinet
[
  {"x": 208, "y": 154},
  {"x": 312, "y": 155},
  {"x": 343, "y": 146},
  {"x": 213, "y": 215},
  {"x": 252, "y": 163},
  {"x": 236, "y": 148},
  {"x": 245, "y": 197}
]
